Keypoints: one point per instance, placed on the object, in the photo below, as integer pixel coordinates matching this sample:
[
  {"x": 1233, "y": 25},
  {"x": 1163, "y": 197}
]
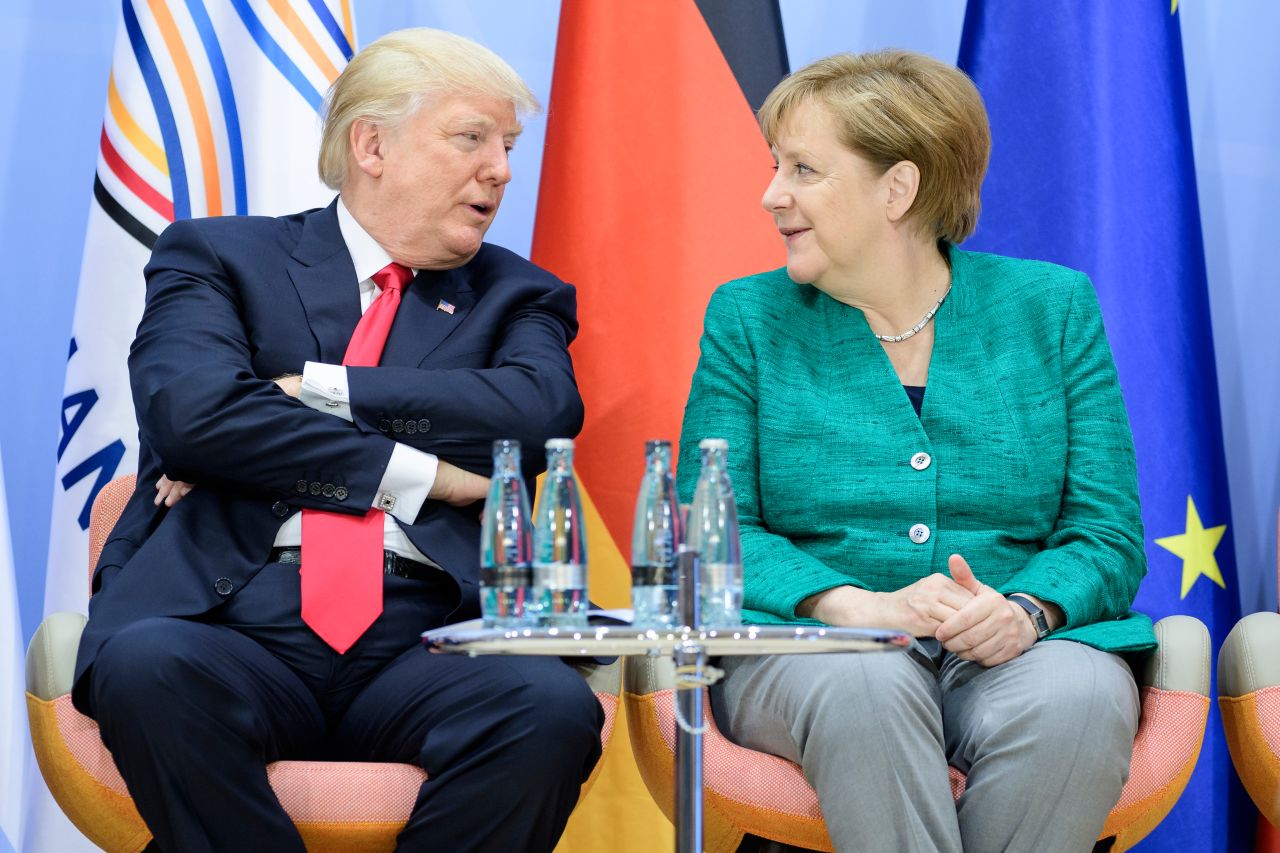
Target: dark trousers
[{"x": 194, "y": 709}]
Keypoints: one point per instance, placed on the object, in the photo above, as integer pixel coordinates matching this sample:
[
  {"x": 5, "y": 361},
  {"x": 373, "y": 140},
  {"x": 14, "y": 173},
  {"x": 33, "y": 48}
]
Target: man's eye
[{"x": 472, "y": 135}]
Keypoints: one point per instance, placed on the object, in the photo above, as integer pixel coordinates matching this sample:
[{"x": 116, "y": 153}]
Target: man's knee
[
  {"x": 562, "y": 714},
  {"x": 139, "y": 664}
]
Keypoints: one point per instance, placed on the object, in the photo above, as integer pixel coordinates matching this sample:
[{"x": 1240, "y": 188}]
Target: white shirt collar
[{"x": 366, "y": 255}]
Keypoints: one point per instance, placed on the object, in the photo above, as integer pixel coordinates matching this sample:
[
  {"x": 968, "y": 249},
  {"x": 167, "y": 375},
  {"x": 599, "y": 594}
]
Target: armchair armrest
[
  {"x": 51, "y": 657},
  {"x": 1181, "y": 661},
  {"x": 1250, "y": 656}
]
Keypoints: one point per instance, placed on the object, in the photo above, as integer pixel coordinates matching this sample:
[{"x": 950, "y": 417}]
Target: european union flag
[{"x": 1092, "y": 168}]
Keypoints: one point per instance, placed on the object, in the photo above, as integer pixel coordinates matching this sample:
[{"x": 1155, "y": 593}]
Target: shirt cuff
[
  {"x": 406, "y": 483},
  {"x": 324, "y": 388}
]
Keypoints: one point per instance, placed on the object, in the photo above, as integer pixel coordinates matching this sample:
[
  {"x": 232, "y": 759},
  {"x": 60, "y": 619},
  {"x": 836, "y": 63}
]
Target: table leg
[{"x": 690, "y": 659}]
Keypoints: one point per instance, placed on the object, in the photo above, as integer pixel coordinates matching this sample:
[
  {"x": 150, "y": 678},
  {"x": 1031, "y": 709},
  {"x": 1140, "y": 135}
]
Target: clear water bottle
[
  {"x": 506, "y": 544},
  {"x": 713, "y": 539},
  {"x": 560, "y": 544},
  {"x": 654, "y": 539}
]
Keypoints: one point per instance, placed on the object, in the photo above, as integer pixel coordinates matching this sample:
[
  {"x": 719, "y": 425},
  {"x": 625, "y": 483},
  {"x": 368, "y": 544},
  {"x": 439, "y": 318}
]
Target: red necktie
[{"x": 342, "y": 554}]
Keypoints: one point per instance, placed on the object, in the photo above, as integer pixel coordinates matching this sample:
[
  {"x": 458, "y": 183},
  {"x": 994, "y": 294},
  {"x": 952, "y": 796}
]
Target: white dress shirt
[{"x": 410, "y": 473}]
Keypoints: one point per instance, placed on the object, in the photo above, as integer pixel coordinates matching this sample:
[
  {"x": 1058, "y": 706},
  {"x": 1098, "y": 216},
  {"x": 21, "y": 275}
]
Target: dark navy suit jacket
[{"x": 234, "y": 302}]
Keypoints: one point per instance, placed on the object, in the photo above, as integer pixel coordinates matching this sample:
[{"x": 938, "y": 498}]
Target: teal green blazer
[{"x": 1030, "y": 474}]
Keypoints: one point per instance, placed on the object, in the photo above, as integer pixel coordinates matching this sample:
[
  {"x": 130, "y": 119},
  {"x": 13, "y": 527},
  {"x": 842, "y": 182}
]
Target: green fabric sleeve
[
  {"x": 1093, "y": 560},
  {"x": 722, "y": 404}
]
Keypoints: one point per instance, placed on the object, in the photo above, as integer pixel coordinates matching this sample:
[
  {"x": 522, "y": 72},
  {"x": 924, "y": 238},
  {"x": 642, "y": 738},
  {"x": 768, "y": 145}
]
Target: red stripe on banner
[
  {"x": 650, "y": 197},
  {"x": 135, "y": 182}
]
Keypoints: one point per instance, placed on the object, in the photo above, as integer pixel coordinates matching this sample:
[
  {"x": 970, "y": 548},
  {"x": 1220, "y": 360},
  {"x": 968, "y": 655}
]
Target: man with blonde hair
[{"x": 317, "y": 396}]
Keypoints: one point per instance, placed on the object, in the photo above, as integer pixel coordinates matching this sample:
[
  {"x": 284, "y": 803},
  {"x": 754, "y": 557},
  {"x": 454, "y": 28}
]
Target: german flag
[{"x": 652, "y": 175}]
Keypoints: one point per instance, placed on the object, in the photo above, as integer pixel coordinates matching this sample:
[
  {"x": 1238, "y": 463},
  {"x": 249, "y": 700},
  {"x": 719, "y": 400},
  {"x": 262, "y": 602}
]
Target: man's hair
[
  {"x": 389, "y": 80},
  {"x": 895, "y": 105}
]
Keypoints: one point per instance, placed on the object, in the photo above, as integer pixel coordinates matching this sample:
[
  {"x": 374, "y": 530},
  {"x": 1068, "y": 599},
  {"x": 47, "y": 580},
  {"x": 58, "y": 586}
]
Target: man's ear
[
  {"x": 367, "y": 140},
  {"x": 903, "y": 183}
]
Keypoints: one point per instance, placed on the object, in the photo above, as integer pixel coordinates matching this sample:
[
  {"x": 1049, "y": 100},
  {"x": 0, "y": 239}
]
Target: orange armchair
[
  {"x": 1249, "y": 698},
  {"x": 751, "y": 792},
  {"x": 337, "y": 806}
]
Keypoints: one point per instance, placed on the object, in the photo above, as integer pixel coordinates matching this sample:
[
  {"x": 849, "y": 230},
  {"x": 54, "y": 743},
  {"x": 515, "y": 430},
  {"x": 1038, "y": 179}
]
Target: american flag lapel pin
[{"x": 446, "y": 307}]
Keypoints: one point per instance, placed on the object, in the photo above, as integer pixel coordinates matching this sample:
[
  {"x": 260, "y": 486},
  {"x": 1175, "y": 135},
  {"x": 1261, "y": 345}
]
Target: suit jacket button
[
  {"x": 411, "y": 427},
  {"x": 223, "y": 586},
  {"x": 397, "y": 425},
  {"x": 300, "y": 487},
  {"x": 315, "y": 489},
  {"x": 384, "y": 425},
  {"x": 327, "y": 490},
  {"x": 279, "y": 509},
  {"x": 341, "y": 493},
  {"x": 919, "y": 533},
  {"x": 424, "y": 425}
]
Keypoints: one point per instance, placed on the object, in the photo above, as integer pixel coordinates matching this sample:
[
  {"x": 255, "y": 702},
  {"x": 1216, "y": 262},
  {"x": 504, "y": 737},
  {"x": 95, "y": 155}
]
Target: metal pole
[
  {"x": 689, "y": 751},
  {"x": 689, "y": 657}
]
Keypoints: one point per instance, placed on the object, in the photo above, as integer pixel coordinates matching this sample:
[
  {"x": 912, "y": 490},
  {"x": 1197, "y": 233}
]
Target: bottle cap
[
  {"x": 506, "y": 444},
  {"x": 655, "y": 444},
  {"x": 559, "y": 444},
  {"x": 713, "y": 444}
]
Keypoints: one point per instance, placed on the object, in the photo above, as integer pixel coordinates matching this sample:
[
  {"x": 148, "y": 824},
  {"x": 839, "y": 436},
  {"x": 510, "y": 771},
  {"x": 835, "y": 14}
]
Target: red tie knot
[{"x": 394, "y": 276}]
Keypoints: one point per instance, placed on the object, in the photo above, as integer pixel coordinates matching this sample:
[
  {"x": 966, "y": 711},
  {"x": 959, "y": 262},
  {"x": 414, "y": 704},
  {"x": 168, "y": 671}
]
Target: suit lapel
[
  {"x": 423, "y": 321},
  {"x": 325, "y": 279}
]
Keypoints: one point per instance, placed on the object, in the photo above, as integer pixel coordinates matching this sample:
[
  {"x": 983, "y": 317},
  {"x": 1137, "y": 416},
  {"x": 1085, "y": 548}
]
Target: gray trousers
[{"x": 1045, "y": 740}]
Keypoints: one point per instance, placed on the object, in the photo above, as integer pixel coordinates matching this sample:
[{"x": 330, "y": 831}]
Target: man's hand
[
  {"x": 988, "y": 630},
  {"x": 290, "y": 383},
  {"x": 919, "y": 609},
  {"x": 169, "y": 492},
  {"x": 457, "y": 487}
]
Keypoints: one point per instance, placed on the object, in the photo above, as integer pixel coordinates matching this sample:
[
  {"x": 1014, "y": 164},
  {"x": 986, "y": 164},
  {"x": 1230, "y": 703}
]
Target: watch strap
[{"x": 1038, "y": 618}]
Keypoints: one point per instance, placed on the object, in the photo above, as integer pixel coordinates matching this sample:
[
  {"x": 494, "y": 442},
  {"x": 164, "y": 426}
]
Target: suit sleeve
[
  {"x": 527, "y": 391},
  {"x": 206, "y": 414},
  {"x": 1093, "y": 560},
  {"x": 777, "y": 575}
]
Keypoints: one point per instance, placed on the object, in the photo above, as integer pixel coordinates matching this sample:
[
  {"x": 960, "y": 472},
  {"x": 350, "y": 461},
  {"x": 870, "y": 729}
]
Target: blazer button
[
  {"x": 300, "y": 487},
  {"x": 327, "y": 490},
  {"x": 315, "y": 489},
  {"x": 921, "y": 461},
  {"x": 279, "y": 509},
  {"x": 341, "y": 493},
  {"x": 223, "y": 586},
  {"x": 384, "y": 425},
  {"x": 397, "y": 425},
  {"x": 424, "y": 425},
  {"x": 919, "y": 533},
  {"x": 411, "y": 427}
]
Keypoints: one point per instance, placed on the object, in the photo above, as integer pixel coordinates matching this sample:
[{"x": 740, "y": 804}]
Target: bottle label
[
  {"x": 560, "y": 575},
  {"x": 654, "y": 575},
  {"x": 502, "y": 576}
]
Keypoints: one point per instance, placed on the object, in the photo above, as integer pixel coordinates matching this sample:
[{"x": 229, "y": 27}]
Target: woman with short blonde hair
[{"x": 926, "y": 440}]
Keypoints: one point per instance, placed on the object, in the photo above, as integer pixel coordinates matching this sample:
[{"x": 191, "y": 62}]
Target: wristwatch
[{"x": 1038, "y": 619}]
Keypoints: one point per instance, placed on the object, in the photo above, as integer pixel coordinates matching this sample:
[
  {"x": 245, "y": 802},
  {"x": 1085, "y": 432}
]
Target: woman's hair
[
  {"x": 388, "y": 80},
  {"x": 895, "y": 105}
]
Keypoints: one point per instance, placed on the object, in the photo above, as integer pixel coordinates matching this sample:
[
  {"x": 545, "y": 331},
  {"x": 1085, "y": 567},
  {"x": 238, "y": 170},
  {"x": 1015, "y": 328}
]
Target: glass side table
[{"x": 690, "y": 650}]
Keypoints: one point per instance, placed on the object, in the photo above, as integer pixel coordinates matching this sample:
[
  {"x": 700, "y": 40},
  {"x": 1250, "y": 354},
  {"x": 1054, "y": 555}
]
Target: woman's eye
[{"x": 802, "y": 169}]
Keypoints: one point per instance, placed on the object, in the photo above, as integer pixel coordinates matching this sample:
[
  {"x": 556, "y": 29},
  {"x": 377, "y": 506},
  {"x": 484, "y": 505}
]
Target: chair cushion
[
  {"x": 350, "y": 806},
  {"x": 769, "y": 796}
]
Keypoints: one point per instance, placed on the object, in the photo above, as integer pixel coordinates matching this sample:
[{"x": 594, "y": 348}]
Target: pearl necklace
[{"x": 924, "y": 321}]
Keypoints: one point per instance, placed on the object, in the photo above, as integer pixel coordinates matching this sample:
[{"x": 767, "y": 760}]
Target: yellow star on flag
[{"x": 1196, "y": 547}]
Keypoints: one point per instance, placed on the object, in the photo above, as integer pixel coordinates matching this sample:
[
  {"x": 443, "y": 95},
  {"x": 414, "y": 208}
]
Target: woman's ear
[{"x": 903, "y": 182}]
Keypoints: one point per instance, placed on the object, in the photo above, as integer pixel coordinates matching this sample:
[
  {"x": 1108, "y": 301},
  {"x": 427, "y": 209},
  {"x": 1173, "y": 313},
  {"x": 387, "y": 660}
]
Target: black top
[{"x": 916, "y": 394}]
